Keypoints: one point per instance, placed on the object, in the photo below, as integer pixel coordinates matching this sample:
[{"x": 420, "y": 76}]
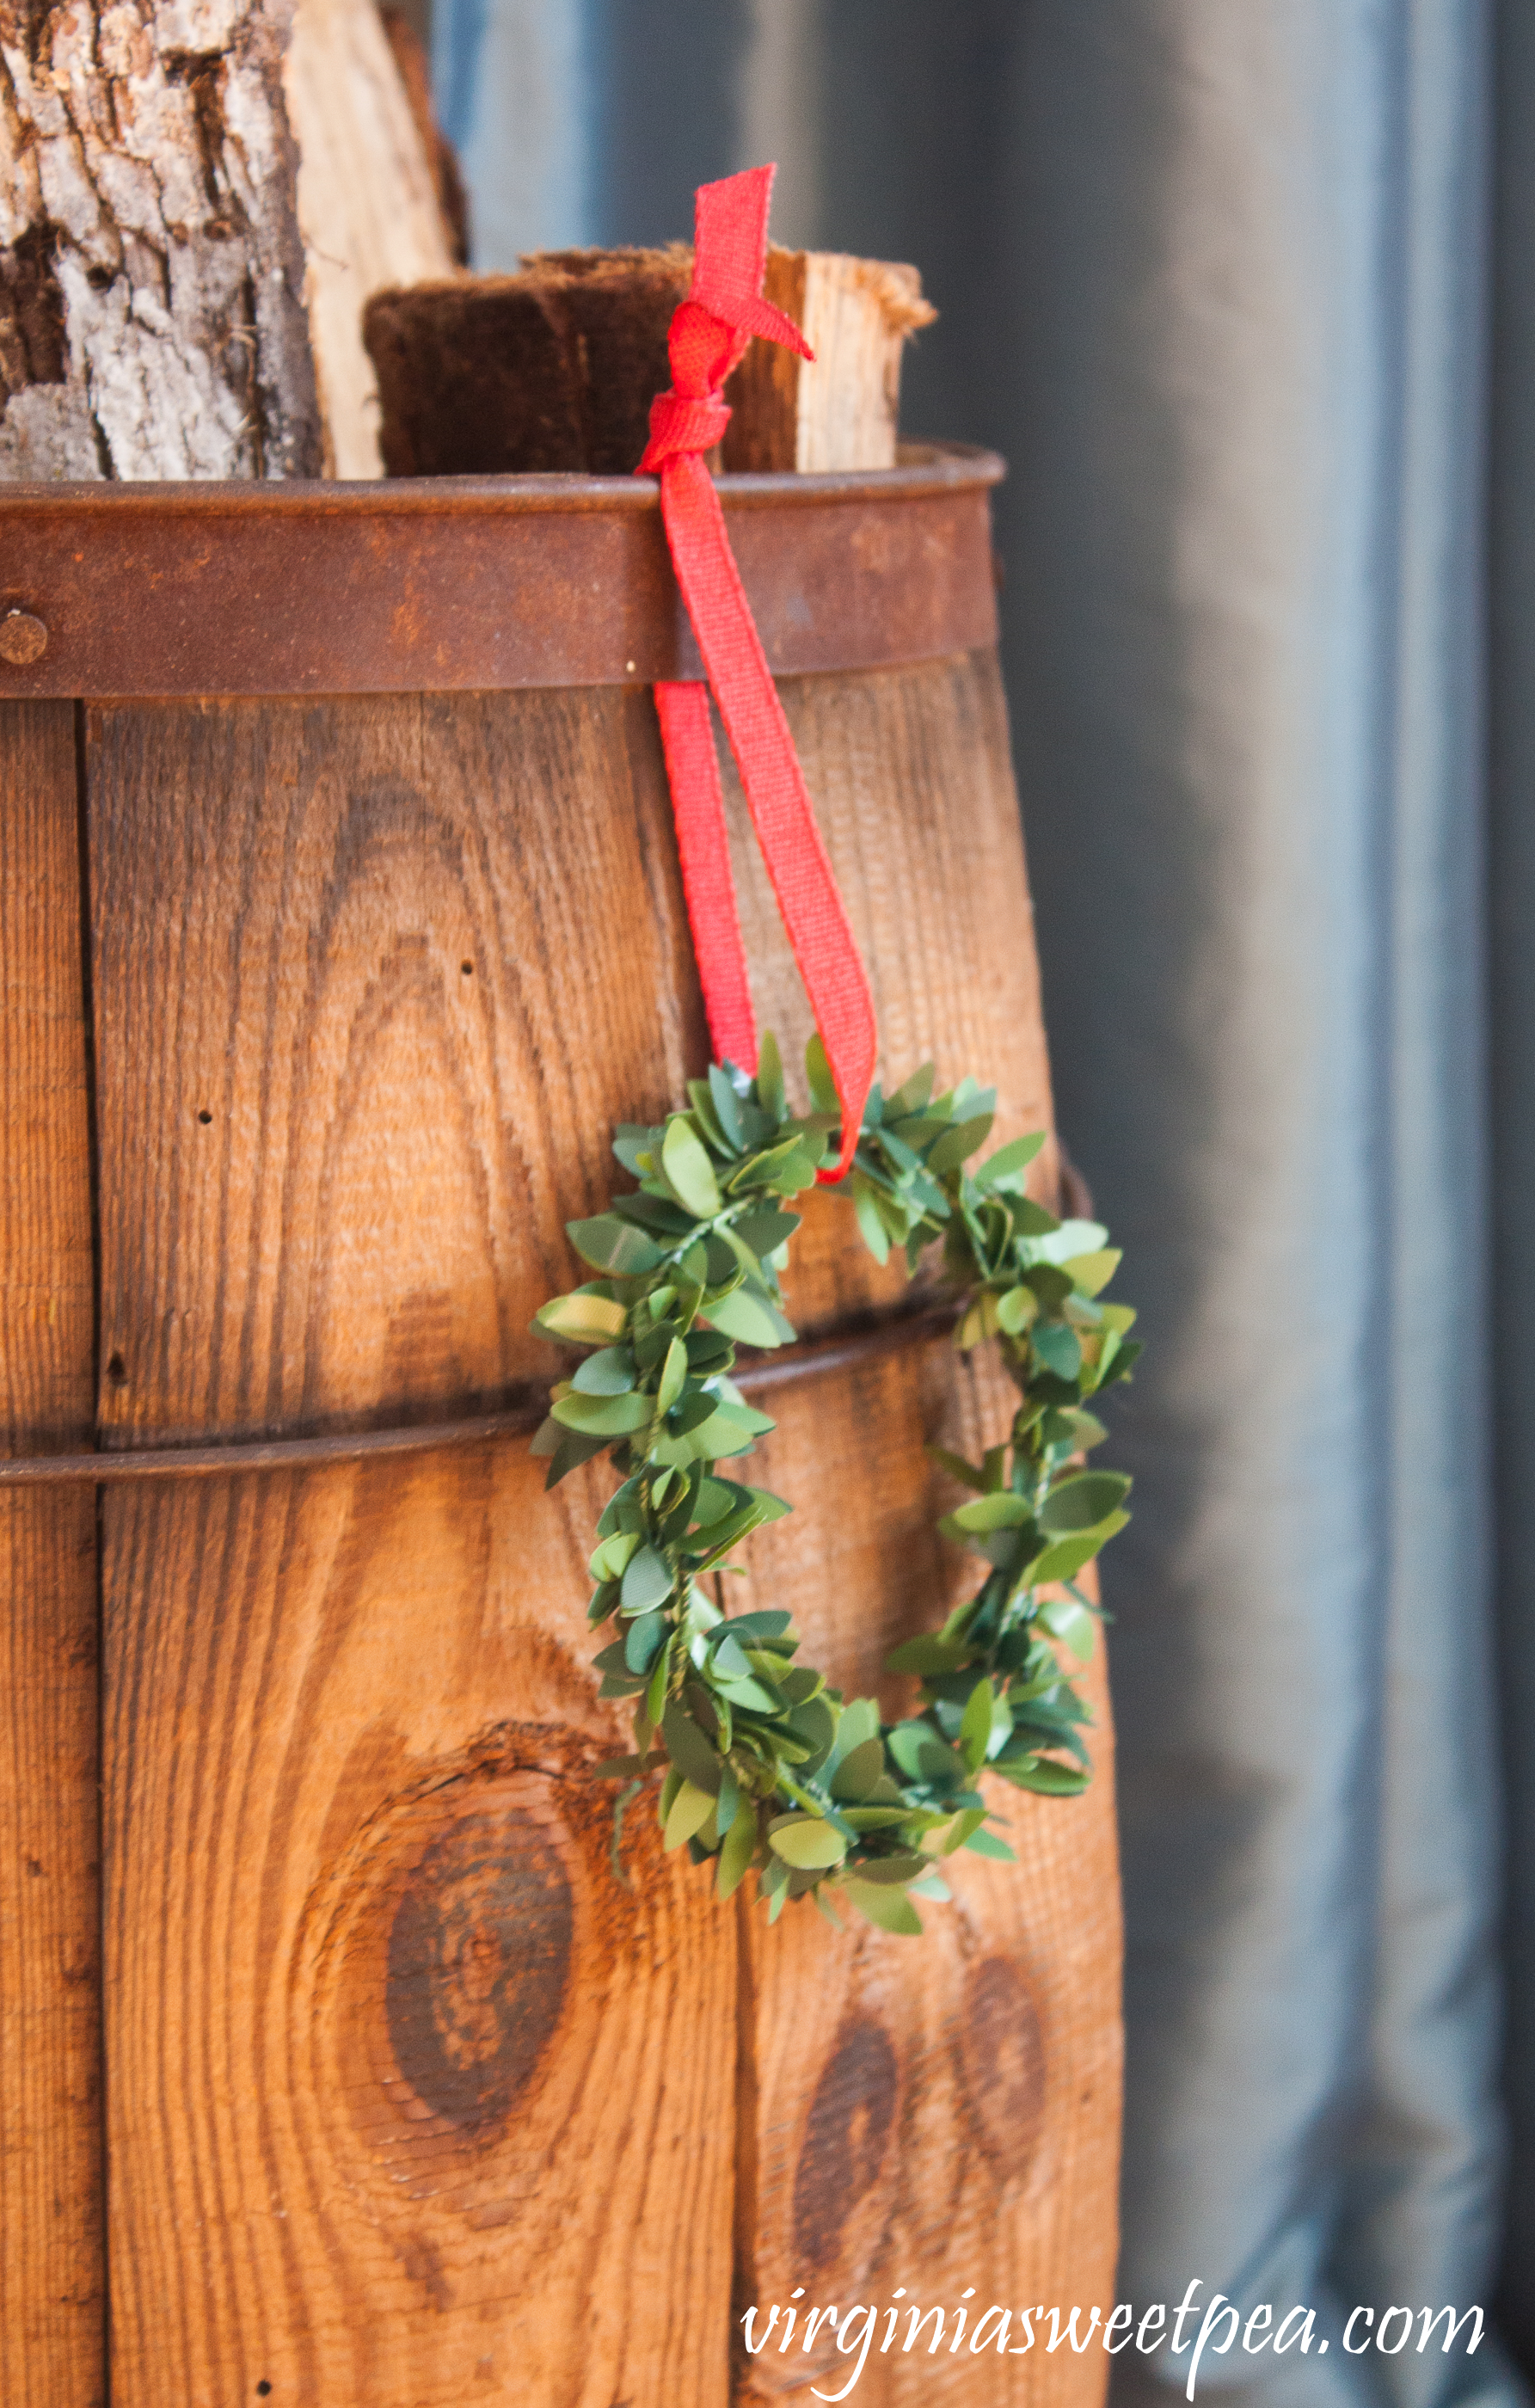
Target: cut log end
[
  {"x": 550, "y": 370},
  {"x": 555, "y": 368}
]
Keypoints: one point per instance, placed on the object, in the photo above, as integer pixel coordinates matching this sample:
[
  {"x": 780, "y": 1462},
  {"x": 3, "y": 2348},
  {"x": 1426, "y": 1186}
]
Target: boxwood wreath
[{"x": 766, "y": 1768}]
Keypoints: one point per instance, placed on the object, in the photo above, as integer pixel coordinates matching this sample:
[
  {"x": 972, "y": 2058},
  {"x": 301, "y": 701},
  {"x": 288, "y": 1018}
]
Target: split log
[
  {"x": 840, "y": 409},
  {"x": 152, "y": 313},
  {"x": 375, "y": 186},
  {"x": 415, "y": 66},
  {"x": 555, "y": 368}
]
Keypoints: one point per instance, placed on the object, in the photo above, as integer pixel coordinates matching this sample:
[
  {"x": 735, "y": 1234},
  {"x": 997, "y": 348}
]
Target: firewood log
[
  {"x": 415, "y": 66},
  {"x": 840, "y": 409},
  {"x": 371, "y": 193},
  {"x": 151, "y": 310},
  {"x": 555, "y": 368}
]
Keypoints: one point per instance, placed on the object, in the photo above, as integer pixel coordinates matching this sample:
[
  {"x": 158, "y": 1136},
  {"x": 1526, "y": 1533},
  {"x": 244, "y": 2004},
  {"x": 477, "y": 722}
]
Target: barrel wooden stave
[
  {"x": 298, "y": 1666},
  {"x": 53, "y": 2303},
  {"x": 1001, "y": 2176},
  {"x": 287, "y": 895},
  {"x": 409, "y": 2099},
  {"x": 912, "y": 774},
  {"x": 301, "y": 1670},
  {"x": 942, "y": 2114}
]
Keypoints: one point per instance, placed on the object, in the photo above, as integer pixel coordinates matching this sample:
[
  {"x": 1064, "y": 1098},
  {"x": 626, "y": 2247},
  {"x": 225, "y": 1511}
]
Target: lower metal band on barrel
[{"x": 843, "y": 1350}]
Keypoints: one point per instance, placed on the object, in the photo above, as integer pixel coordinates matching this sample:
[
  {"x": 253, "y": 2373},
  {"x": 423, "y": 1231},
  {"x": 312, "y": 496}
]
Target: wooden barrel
[{"x": 342, "y": 920}]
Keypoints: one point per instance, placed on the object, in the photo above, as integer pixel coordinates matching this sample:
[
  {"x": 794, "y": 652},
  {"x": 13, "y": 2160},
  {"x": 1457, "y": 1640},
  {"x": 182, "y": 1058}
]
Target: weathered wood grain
[
  {"x": 374, "y": 981},
  {"x": 841, "y": 409},
  {"x": 939, "y": 2115},
  {"x": 942, "y": 2114},
  {"x": 368, "y": 206},
  {"x": 912, "y": 778},
  {"x": 51, "y": 2294},
  {"x": 411, "y": 2102}
]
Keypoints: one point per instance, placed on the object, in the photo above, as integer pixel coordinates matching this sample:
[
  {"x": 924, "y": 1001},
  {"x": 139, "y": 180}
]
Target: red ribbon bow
[{"x": 709, "y": 332}]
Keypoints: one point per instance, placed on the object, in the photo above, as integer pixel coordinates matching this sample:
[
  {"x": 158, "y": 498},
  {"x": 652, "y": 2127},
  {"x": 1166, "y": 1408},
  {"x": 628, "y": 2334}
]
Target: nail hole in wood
[
  {"x": 262, "y": 2388},
  {"x": 468, "y": 968},
  {"x": 204, "y": 1117},
  {"x": 116, "y": 1371}
]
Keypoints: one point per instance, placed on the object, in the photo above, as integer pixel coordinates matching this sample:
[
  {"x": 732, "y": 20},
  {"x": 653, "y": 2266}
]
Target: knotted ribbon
[{"x": 708, "y": 335}]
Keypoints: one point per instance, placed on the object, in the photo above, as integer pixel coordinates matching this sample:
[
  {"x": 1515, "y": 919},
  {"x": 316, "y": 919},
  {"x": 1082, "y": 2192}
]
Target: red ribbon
[{"x": 709, "y": 332}]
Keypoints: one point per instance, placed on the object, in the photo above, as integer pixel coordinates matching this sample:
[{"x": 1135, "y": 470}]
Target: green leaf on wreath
[
  {"x": 643, "y": 1641},
  {"x": 821, "y": 1085},
  {"x": 689, "y": 1750},
  {"x": 1072, "y": 1624},
  {"x": 768, "y": 1229},
  {"x": 975, "y": 1725},
  {"x": 1046, "y": 1778},
  {"x": 647, "y": 1581},
  {"x": 603, "y": 1417},
  {"x": 891, "y": 1909},
  {"x": 690, "y": 1811},
  {"x": 609, "y": 1244},
  {"x": 1057, "y": 1345},
  {"x": 1082, "y": 1501},
  {"x": 689, "y": 1170},
  {"x": 673, "y": 1377},
  {"x": 998, "y": 1509},
  {"x": 805, "y": 1842},
  {"x": 736, "y": 1852},
  {"x": 858, "y": 1770},
  {"x": 1010, "y": 1161},
  {"x": 749, "y": 1319},
  {"x": 1093, "y": 1271},
  {"x": 957, "y": 1144},
  {"x": 925, "y": 1758},
  {"x": 1066, "y": 1557},
  {"x": 580, "y": 1319},
  {"x": 610, "y": 1373},
  {"x": 770, "y": 1077}
]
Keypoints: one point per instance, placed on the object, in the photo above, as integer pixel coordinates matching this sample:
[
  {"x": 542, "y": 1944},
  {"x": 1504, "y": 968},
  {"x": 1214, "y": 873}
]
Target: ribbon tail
[
  {"x": 813, "y": 915},
  {"x": 703, "y": 847}
]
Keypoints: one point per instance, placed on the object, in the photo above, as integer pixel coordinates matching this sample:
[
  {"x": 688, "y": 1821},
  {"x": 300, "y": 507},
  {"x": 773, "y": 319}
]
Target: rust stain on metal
[{"x": 453, "y": 584}]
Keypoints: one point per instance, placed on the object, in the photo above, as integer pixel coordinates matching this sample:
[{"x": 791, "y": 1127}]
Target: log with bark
[
  {"x": 151, "y": 279},
  {"x": 193, "y": 195}
]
